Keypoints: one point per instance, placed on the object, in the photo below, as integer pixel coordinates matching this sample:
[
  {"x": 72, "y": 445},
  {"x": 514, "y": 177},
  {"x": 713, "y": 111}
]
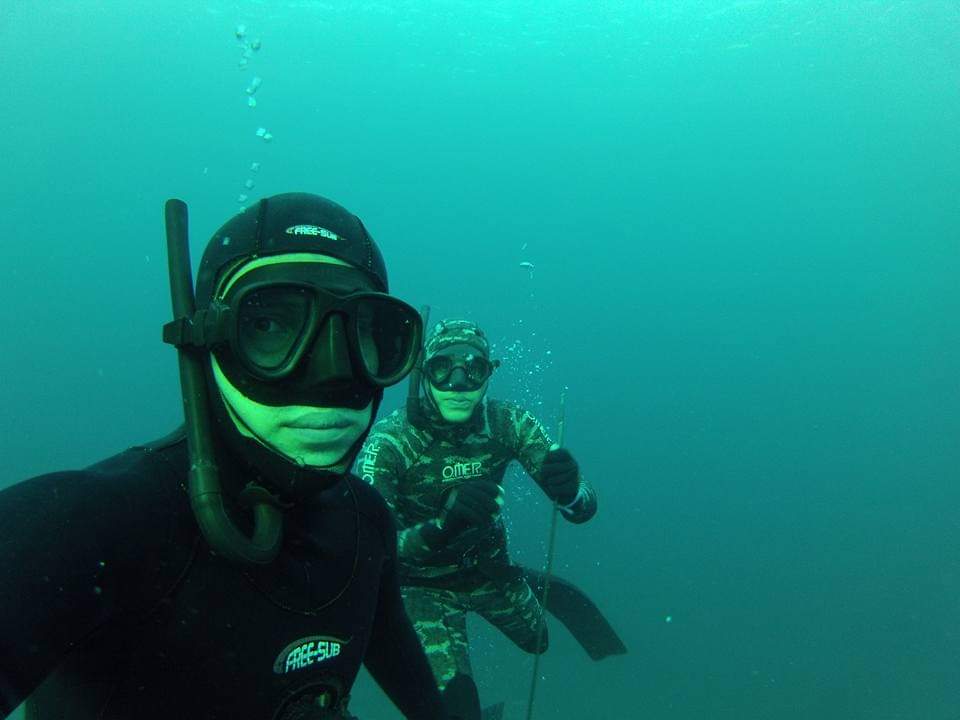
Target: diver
[
  {"x": 439, "y": 463},
  {"x": 235, "y": 568}
]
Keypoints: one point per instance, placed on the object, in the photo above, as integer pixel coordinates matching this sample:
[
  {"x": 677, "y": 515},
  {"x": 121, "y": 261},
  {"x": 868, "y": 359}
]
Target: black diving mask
[
  {"x": 458, "y": 371},
  {"x": 309, "y": 334}
]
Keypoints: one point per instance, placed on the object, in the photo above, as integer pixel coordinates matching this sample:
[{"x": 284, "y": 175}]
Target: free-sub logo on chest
[{"x": 307, "y": 652}]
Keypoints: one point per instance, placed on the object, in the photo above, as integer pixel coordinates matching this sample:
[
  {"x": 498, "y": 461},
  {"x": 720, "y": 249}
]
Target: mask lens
[
  {"x": 270, "y": 324},
  {"x": 477, "y": 368},
  {"x": 442, "y": 369},
  {"x": 438, "y": 369},
  {"x": 386, "y": 334}
]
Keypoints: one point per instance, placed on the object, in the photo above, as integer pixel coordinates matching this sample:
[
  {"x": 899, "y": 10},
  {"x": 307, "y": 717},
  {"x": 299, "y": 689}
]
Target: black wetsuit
[{"x": 112, "y": 605}]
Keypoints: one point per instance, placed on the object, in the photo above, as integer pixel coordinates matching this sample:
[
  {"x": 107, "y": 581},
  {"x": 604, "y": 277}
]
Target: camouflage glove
[
  {"x": 473, "y": 504},
  {"x": 560, "y": 476}
]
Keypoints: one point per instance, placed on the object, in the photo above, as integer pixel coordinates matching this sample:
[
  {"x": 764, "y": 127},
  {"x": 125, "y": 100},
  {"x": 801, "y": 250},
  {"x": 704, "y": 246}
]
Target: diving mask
[
  {"x": 458, "y": 369},
  {"x": 308, "y": 334}
]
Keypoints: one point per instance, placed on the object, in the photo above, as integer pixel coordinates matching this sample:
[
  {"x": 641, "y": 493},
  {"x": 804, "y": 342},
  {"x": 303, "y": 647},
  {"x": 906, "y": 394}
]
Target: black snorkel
[
  {"x": 415, "y": 414},
  {"x": 206, "y": 493}
]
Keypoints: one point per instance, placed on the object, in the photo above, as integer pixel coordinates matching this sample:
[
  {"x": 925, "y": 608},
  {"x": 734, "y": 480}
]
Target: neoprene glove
[
  {"x": 472, "y": 504},
  {"x": 560, "y": 476}
]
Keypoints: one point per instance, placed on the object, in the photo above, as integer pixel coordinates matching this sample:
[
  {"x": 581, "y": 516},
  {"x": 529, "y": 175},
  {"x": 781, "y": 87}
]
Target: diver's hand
[
  {"x": 475, "y": 503},
  {"x": 560, "y": 476}
]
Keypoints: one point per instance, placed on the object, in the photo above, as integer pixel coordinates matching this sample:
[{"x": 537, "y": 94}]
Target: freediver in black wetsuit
[{"x": 235, "y": 569}]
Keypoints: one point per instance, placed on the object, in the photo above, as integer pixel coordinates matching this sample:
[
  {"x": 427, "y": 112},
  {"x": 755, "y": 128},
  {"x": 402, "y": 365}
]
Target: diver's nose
[
  {"x": 457, "y": 380},
  {"x": 330, "y": 355}
]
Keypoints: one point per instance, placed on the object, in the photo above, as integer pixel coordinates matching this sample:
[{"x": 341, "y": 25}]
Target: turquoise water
[{"x": 744, "y": 224}]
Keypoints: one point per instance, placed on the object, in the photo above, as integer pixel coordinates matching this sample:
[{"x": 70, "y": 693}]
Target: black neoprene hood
[{"x": 289, "y": 223}]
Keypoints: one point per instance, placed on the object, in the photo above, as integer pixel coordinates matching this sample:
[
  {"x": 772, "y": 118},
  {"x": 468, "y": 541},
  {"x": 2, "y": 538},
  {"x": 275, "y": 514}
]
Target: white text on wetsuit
[
  {"x": 368, "y": 462},
  {"x": 462, "y": 470},
  {"x": 311, "y": 652}
]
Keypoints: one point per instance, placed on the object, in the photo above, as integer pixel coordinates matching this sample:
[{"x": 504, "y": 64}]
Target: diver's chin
[
  {"x": 319, "y": 459},
  {"x": 457, "y": 415},
  {"x": 316, "y": 445}
]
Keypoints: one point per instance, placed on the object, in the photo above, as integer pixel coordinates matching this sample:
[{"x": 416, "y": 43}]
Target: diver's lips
[
  {"x": 458, "y": 401},
  {"x": 318, "y": 425}
]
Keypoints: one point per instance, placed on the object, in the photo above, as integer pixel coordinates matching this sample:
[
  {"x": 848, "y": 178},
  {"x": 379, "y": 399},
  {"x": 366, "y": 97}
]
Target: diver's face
[
  {"x": 457, "y": 406},
  {"x": 305, "y": 434}
]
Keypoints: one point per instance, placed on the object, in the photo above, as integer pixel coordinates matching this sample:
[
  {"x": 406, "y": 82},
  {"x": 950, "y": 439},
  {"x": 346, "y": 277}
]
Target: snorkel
[
  {"x": 205, "y": 490},
  {"x": 415, "y": 414}
]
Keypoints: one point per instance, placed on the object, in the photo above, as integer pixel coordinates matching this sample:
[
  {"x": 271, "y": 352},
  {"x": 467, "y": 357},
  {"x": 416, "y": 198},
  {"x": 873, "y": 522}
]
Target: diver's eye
[
  {"x": 267, "y": 338},
  {"x": 270, "y": 323},
  {"x": 267, "y": 325}
]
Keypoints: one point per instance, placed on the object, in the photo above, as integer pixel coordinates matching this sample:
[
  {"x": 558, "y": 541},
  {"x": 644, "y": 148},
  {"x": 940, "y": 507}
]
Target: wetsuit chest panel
[
  {"x": 249, "y": 631},
  {"x": 225, "y": 641},
  {"x": 424, "y": 485},
  {"x": 246, "y": 642}
]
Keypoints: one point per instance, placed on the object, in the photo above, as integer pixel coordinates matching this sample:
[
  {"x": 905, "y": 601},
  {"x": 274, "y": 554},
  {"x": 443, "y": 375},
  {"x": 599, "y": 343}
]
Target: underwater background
[{"x": 743, "y": 222}]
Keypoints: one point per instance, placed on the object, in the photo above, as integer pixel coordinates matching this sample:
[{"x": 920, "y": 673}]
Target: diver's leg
[
  {"x": 513, "y": 609},
  {"x": 441, "y": 623}
]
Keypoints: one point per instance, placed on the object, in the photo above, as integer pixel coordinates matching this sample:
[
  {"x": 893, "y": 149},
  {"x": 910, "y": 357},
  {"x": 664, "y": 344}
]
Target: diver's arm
[
  {"x": 395, "y": 657},
  {"x": 79, "y": 550},
  {"x": 56, "y": 584},
  {"x": 532, "y": 447},
  {"x": 584, "y": 505},
  {"x": 58, "y": 574},
  {"x": 381, "y": 464}
]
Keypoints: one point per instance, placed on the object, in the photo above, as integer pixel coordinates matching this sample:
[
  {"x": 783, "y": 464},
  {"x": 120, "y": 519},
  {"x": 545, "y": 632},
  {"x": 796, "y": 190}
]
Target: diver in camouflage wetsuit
[{"x": 440, "y": 465}]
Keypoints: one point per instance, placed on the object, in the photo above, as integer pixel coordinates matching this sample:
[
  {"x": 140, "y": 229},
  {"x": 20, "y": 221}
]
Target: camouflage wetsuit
[{"x": 414, "y": 468}]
